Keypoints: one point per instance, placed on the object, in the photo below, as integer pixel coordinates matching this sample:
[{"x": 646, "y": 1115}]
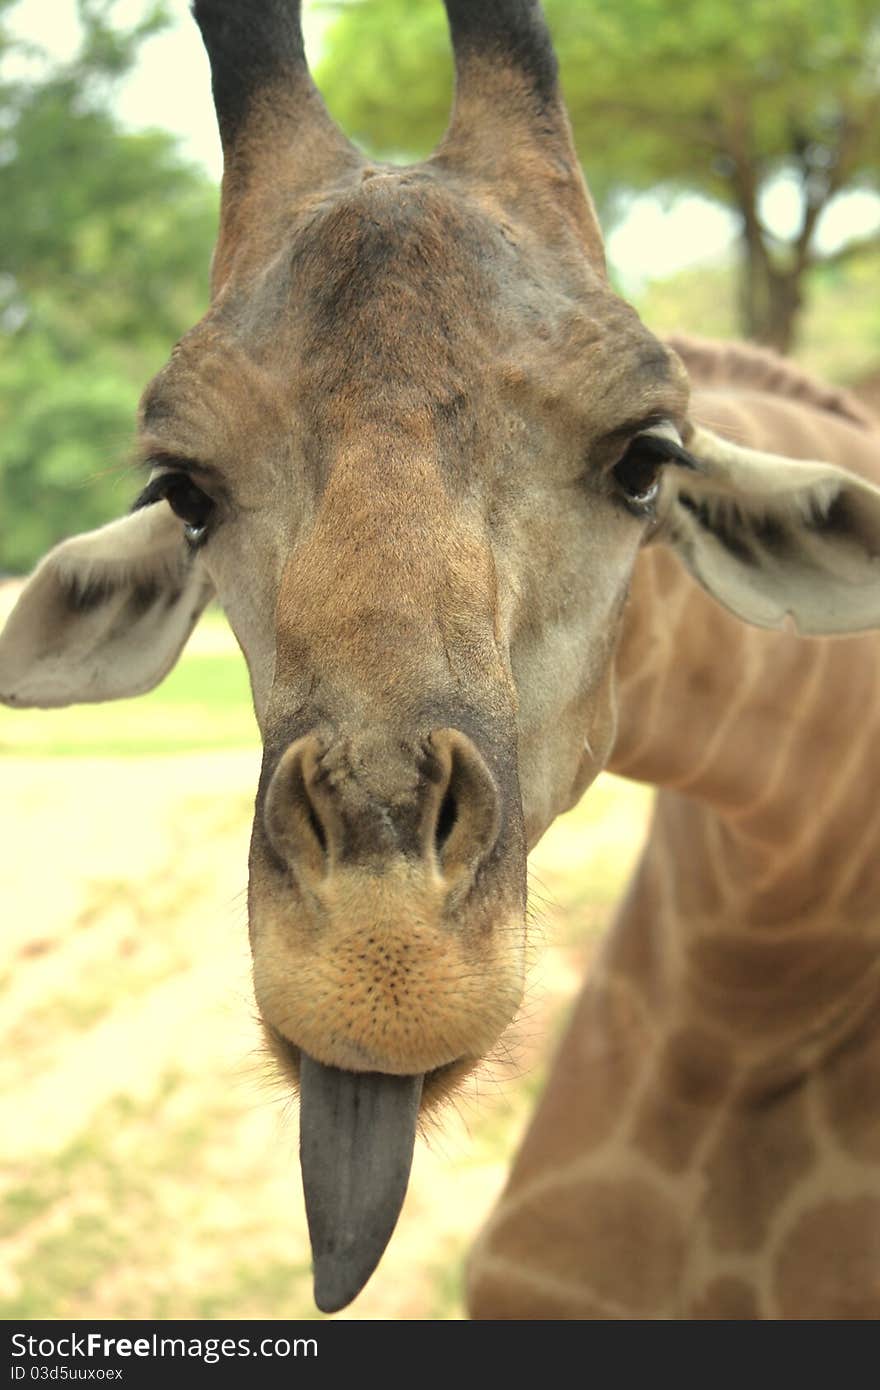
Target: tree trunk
[{"x": 771, "y": 300}]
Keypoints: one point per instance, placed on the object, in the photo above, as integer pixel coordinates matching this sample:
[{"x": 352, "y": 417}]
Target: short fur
[
  {"x": 250, "y": 45},
  {"x": 508, "y": 32}
]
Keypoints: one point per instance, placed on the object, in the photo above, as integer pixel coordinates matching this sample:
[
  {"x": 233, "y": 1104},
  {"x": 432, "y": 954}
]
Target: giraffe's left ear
[
  {"x": 772, "y": 537},
  {"x": 104, "y": 615}
]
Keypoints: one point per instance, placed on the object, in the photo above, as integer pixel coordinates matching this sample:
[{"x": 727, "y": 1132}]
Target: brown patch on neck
[
  {"x": 726, "y": 1299},
  {"x": 761, "y": 1154},
  {"x": 827, "y": 1266},
  {"x": 596, "y": 1244},
  {"x": 691, "y": 1077},
  {"x": 849, "y": 1077}
]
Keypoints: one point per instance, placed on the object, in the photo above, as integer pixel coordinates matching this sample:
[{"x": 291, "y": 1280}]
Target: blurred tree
[
  {"x": 698, "y": 95},
  {"x": 105, "y": 240}
]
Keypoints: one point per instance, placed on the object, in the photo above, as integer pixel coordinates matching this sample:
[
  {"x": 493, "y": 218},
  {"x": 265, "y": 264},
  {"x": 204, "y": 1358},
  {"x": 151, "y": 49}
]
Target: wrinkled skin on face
[{"x": 407, "y": 423}]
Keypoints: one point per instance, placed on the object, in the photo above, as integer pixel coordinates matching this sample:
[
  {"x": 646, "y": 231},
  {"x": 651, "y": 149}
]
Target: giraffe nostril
[
  {"x": 300, "y": 819},
  {"x": 317, "y": 827},
  {"x": 446, "y": 819},
  {"x": 466, "y": 823},
  {"x": 321, "y": 812}
]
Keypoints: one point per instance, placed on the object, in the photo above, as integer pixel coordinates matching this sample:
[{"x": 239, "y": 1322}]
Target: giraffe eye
[
  {"x": 186, "y": 500},
  {"x": 193, "y": 506},
  {"x": 637, "y": 474},
  {"x": 639, "y": 471}
]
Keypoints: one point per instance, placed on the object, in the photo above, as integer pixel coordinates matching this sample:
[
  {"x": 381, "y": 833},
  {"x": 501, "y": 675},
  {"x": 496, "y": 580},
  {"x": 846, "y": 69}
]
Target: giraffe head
[{"x": 413, "y": 448}]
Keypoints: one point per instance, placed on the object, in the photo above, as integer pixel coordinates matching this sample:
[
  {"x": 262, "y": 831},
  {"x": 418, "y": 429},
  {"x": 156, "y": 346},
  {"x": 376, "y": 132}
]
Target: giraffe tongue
[{"x": 357, "y": 1131}]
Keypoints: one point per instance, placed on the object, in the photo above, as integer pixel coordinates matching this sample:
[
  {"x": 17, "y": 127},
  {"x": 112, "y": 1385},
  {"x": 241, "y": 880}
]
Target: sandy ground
[{"x": 149, "y": 1154}]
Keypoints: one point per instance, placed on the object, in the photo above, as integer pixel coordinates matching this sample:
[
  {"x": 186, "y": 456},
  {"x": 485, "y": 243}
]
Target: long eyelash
[
  {"x": 155, "y": 491},
  {"x": 681, "y": 455},
  {"x": 668, "y": 449}
]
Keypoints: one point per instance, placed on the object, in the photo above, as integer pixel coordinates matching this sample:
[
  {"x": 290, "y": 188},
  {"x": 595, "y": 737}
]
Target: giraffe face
[{"x": 405, "y": 451}]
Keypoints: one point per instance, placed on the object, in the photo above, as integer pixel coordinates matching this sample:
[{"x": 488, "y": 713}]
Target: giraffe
[
  {"x": 708, "y": 1143},
  {"x": 438, "y": 473}
]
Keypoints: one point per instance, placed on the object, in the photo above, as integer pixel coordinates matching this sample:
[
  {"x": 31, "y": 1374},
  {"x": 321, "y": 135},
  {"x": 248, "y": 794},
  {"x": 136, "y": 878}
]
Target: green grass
[
  {"x": 259, "y": 1288},
  {"x": 205, "y": 703},
  {"x": 129, "y": 1190}
]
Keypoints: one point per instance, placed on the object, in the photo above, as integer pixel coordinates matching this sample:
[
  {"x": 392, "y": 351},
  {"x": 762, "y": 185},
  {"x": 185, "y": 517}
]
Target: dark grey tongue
[{"x": 356, "y": 1137}]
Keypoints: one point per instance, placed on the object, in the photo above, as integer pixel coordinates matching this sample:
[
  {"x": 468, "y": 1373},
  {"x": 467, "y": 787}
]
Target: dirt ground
[{"x": 149, "y": 1153}]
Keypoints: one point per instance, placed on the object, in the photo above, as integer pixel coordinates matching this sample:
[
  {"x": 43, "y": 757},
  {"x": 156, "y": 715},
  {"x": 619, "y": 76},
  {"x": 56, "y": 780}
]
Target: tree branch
[
  {"x": 851, "y": 134},
  {"x": 738, "y": 141}
]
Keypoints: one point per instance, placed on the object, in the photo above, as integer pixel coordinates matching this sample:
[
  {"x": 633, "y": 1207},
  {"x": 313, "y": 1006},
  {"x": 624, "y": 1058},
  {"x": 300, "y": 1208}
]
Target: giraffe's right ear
[
  {"x": 105, "y": 615},
  {"x": 775, "y": 538}
]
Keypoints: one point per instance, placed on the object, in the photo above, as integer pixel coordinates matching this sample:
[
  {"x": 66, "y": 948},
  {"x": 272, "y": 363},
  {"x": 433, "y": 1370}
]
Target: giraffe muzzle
[{"x": 357, "y": 1132}]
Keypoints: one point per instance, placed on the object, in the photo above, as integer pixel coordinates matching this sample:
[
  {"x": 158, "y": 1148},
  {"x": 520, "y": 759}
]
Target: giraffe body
[{"x": 709, "y": 1142}]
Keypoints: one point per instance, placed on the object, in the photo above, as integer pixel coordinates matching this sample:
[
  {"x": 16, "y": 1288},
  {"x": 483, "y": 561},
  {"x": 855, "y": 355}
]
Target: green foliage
[
  {"x": 840, "y": 333},
  {"x": 701, "y": 95},
  {"x": 105, "y": 234},
  {"x": 387, "y": 74},
  {"x": 650, "y": 86},
  {"x": 105, "y": 238},
  {"x": 62, "y": 424}
]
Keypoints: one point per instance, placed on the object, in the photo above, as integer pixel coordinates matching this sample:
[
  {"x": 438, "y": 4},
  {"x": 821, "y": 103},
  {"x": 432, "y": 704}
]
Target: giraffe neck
[
  {"x": 706, "y": 1146},
  {"x": 759, "y": 884},
  {"x": 757, "y": 725},
  {"x": 706, "y": 1119},
  {"x": 770, "y": 731}
]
